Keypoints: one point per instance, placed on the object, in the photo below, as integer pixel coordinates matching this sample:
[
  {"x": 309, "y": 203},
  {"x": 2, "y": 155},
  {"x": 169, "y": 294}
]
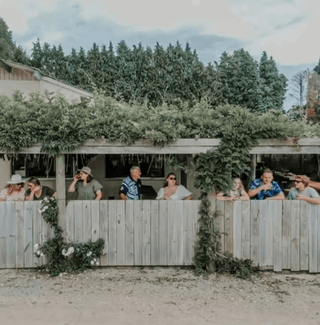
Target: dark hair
[
  {"x": 89, "y": 178},
  {"x": 166, "y": 182},
  {"x": 34, "y": 180}
]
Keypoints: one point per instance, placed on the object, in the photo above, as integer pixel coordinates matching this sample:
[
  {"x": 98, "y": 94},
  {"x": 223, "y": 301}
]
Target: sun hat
[
  {"x": 16, "y": 179},
  {"x": 86, "y": 170}
]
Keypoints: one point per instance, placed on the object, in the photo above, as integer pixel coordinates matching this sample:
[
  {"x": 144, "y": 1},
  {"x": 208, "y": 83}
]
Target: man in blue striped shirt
[{"x": 131, "y": 186}]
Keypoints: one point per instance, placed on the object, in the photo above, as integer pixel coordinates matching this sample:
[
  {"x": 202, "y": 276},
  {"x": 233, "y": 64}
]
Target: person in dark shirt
[
  {"x": 37, "y": 192},
  {"x": 131, "y": 186}
]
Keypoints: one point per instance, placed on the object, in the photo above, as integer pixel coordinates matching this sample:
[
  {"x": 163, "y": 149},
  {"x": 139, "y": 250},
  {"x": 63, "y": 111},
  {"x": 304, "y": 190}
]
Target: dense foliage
[{"x": 62, "y": 256}]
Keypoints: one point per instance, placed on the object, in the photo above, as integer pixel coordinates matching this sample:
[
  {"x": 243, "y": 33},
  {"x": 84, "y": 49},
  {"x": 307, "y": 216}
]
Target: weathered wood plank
[
  {"x": 255, "y": 231},
  {"x": 70, "y": 230},
  {"x": 188, "y": 234},
  {"x": 154, "y": 234},
  {"x": 295, "y": 236},
  {"x": 3, "y": 235},
  {"x": 277, "y": 241},
  {"x": 121, "y": 232},
  {"x": 20, "y": 234},
  {"x": 112, "y": 232},
  {"x": 220, "y": 220},
  {"x": 138, "y": 232},
  {"x": 237, "y": 228},
  {"x": 304, "y": 236},
  {"x": 146, "y": 209},
  {"x": 163, "y": 233},
  {"x": 95, "y": 210},
  {"x": 318, "y": 248},
  {"x": 86, "y": 220},
  {"x": 245, "y": 230},
  {"x": 286, "y": 234},
  {"x": 313, "y": 238},
  {"x": 37, "y": 229},
  {"x": 263, "y": 233},
  {"x": 78, "y": 221},
  {"x": 11, "y": 235},
  {"x": 104, "y": 230},
  {"x": 129, "y": 233},
  {"x": 29, "y": 207},
  {"x": 228, "y": 227}
]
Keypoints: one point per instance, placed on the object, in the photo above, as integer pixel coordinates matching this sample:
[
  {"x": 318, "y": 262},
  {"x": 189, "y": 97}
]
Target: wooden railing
[{"x": 277, "y": 235}]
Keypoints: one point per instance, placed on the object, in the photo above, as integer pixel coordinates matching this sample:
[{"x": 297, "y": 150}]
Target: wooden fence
[{"x": 277, "y": 235}]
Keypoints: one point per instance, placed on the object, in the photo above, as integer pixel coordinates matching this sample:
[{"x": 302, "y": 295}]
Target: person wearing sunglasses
[
  {"x": 301, "y": 191},
  {"x": 173, "y": 191}
]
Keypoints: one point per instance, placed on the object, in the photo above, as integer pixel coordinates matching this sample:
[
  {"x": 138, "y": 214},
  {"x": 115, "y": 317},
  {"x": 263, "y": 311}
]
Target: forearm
[
  {"x": 254, "y": 192},
  {"x": 312, "y": 200},
  {"x": 123, "y": 197},
  {"x": 277, "y": 197},
  {"x": 71, "y": 187},
  {"x": 30, "y": 197},
  {"x": 98, "y": 195}
]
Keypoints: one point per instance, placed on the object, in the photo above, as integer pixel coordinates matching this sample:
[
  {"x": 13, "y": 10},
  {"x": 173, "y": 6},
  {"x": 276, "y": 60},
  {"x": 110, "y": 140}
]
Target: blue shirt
[
  {"x": 274, "y": 191},
  {"x": 131, "y": 188}
]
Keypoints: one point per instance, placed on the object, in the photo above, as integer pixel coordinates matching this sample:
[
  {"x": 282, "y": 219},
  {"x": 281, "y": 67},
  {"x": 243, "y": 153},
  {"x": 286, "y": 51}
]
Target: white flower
[
  {"x": 41, "y": 254},
  {"x": 40, "y": 211},
  {"x": 64, "y": 252},
  {"x": 97, "y": 263},
  {"x": 36, "y": 246},
  {"x": 38, "y": 253},
  {"x": 46, "y": 199},
  {"x": 70, "y": 250},
  {"x": 52, "y": 199},
  {"x": 45, "y": 208},
  {"x": 95, "y": 259},
  {"x": 92, "y": 262},
  {"x": 89, "y": 254}
]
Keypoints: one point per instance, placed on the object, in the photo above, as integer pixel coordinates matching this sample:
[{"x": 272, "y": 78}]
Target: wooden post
[
  {"x": 61, "y": 191},
  {"x": 253, "y": 167}
]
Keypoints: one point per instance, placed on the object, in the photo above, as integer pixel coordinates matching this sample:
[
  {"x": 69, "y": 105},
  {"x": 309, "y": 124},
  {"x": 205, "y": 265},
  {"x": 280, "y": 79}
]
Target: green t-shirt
[
  {"x": 308, "y": 192},
  {"x": 87, "y": 192}
]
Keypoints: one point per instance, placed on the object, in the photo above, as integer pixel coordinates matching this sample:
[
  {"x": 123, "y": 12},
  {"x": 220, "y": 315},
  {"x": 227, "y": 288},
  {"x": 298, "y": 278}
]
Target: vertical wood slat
[
  {"x": 277, "y": 241},
  {"x": 20, "y": 234},
  {"x": 29, "y": 207},
  {"x": 78, "y": 221},
  {"x": 163, "y": 233},
  {"x": 254, "y": 230},
  {"x": 104, "y": 230},
  {"x": 175, "y": 232},
  {"x": 70, "y": 227},
  {"x": 112, "y": 232},
  {"x": 95, "y": 229},
  {"x": 228, "y": 227},
  {"x": 138, "y": 233},
  {"x": 146, "y": 208},
  {"x": 11, "y": 235},
  {"x": 220, "y": 210},
  {"x": 129, "y": 233},
  {"x": 304, "y": 236},
  {"x": 237, "y": 234},
  {"x": 295, "y": 236},
  {"x": 286, "y": 235},
  {"x": 121, "y": 232},
  {"x": 154, "y": 233},
  {"x": 37, "y": 220},
  {"x": 245, "y": 230},
  {"x": 313, "y": 238},
  {"x": 3, "y": 235},
  {"x": 86, "y": 220},
  {"x": 318, "y": 248},
  {"x": 188, "y": 231}
]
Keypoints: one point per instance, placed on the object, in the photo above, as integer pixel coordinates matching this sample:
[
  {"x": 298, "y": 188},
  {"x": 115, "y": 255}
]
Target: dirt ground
[{"x": 157, "y": 296}]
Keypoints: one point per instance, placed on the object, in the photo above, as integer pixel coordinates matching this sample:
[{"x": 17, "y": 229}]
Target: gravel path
[{"x": 157, "y": 296}]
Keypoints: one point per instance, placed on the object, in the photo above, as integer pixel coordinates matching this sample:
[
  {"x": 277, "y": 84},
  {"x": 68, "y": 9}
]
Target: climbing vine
[{"x": 62, "y": 256}]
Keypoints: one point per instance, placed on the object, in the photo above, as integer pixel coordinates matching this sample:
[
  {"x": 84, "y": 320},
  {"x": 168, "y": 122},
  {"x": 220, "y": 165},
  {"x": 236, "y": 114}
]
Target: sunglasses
[
  {"x": 297, "y": 182},
  {"x": 172, "y": 178}
]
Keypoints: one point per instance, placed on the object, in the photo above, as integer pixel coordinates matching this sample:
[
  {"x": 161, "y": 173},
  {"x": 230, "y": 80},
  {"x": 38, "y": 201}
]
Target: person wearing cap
[
  {"x": 14, "y": 190},
  {"x": 37, "y": 192},
  {"x": 131, "y": 186},
  {"x": 302, "y": 191},
  {"x": 265, "y": 188},
  {"x": 86, "y": 186}
]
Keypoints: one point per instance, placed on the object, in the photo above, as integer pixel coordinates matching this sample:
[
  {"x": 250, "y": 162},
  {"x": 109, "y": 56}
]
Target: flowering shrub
[{"x": 65, "y": 257}]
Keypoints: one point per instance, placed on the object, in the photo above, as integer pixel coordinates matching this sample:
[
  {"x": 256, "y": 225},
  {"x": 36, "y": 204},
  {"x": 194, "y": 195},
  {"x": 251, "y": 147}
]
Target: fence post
[
  {"x": 61, "y": 191},
  {"x": 253, "y": 167}
]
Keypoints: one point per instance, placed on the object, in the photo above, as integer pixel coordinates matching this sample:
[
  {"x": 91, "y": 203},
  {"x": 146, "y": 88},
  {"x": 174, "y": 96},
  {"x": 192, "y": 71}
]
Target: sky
[{"x": 286, "y": 29}]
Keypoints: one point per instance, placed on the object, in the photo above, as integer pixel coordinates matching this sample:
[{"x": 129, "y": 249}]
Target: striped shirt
[{"x": 131, "y": 188}]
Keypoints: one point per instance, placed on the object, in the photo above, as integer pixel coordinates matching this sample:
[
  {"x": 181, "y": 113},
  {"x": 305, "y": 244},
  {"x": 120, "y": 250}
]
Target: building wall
[{"x": 8, "y": 87}]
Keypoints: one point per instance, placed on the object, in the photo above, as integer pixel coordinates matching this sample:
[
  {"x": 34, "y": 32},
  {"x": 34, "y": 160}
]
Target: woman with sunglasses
[
  {"x": 301, "y": 191},
  {"x": 173, "y": 191},
  {"x": 14, "y": 190}
]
